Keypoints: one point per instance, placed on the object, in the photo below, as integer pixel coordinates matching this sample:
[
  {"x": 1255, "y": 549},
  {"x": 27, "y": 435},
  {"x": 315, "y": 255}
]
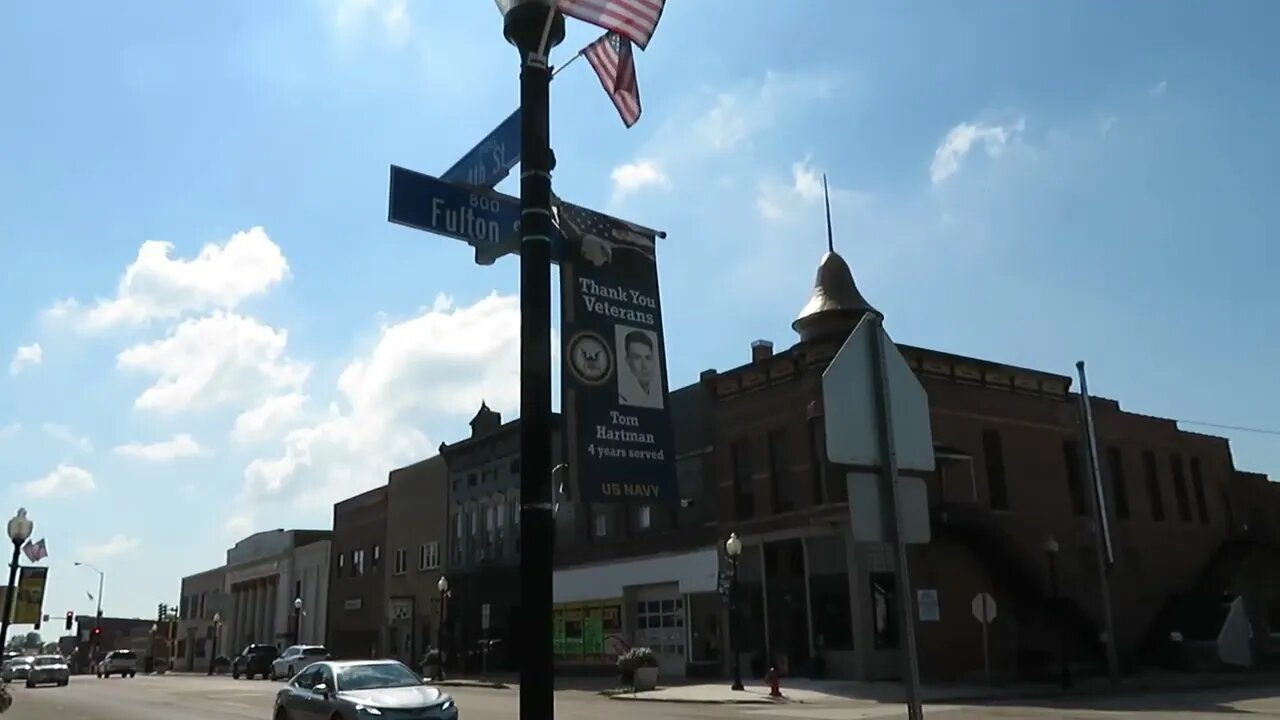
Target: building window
[
  {"x": 1180, "y": 494},
  {"x": 399, "y": 562},
  {"x": 1197, "y": 486},
  {"x": 1075, "y": 484},
  {"x": 1154, "y": 494},
  {"x": 818, "y": 460},
  {"x": 644, "y": 517},
  {"x": 471, "y": 480},
  {"x": 997, "y": 485},
  {"x": 1119, "y": 486},
  {"x": 377, "y": 555},
  {"x": 514, "y": 468},
  {"x": 342, "y": 559},
  {"x": 743, "y": 494},
  {"x": 456, "y": 518},
  {"x": 601, "y": 524},
  {"x": 779, "y": 486},
  {"x": 428, "y": 556},
  {"x": 357, "y": 563}
]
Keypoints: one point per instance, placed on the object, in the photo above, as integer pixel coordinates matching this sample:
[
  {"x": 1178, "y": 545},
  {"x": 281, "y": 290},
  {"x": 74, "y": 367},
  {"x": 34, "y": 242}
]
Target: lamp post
[
  {"x": 733, "y": 549},
  {"x": 97, "y": 616},
  {"x": 1064, "y": 671},
  {"x": 213, "y": 651},
  {"x": 297, "y": 621},
  {"x": 20, "y": 528},
  {"x": 442, "y": 585},
  {"x": 534, "y": 27}
]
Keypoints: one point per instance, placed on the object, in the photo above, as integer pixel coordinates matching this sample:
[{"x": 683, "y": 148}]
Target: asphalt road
[{"x": 221, "y": 698}]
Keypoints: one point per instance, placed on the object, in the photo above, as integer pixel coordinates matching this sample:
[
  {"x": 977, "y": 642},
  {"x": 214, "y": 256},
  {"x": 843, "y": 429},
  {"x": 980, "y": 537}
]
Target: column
[
  {"x": 251, "y": 613},
  {"x": 263, "y": 633},
  {"x": 236, "y": 636},
  {"x": 273, "y": 607}
]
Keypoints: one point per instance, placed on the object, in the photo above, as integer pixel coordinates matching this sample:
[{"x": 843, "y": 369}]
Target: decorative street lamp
[
  {"x": 213, "y": 651},
  {"x": 733, "y": 549},
  {"x": 1064, "y": 670},
  {"x": 534, "y": 27},
  {"x": 20, "y": 528},
  {"x": 443, "y": 586},
  {"x": 297, "y": 620}
]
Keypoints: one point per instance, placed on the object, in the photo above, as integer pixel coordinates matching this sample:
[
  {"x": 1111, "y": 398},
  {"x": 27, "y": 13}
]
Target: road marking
[{"x": 872, "y": 712}]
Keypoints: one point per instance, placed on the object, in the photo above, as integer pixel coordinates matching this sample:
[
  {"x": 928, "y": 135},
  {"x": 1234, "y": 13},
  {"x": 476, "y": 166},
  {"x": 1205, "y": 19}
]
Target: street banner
[
  {"x": 614, "y": 376},
  {"x": 29, "y": 605}
]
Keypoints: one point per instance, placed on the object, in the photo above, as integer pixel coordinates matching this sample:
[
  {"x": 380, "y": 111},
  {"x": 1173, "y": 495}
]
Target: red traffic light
[{"x": 97, "y": 631}]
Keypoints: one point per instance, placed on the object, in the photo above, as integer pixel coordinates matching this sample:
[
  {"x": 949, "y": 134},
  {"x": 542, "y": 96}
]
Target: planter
[{"x": 646, "y": 678}]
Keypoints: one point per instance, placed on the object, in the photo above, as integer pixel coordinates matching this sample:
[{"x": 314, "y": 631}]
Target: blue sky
[{"x": 1032, "y": 183}]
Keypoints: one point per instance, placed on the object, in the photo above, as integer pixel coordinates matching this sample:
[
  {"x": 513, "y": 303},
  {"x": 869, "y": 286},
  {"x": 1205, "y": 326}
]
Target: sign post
[
  {"x": 984, "y": 611},
  {"x": 877, "y": 416}
]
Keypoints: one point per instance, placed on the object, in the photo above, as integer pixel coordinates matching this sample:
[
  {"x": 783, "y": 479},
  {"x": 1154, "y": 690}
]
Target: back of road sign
[{"x": 849, "y": 400}]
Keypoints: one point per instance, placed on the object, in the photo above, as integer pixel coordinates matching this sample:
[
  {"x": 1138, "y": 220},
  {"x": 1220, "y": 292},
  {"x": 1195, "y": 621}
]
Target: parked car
[
  {"x": 118, "y": 662},
  {"x": 255, "y": 659},
  {"x": 16, "y": 668},
  {"x": 296, "y": 658},
  {"x": 351, "y": 689},
  {"x": 49, "y": 670}
]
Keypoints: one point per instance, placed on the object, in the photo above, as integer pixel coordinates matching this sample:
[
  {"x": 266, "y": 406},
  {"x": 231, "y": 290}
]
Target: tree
[{"x": 32, "y": 640}]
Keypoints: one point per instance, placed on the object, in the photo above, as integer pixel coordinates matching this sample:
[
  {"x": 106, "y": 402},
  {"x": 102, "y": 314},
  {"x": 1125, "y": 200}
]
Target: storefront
[{"x": 667, "y": 603}]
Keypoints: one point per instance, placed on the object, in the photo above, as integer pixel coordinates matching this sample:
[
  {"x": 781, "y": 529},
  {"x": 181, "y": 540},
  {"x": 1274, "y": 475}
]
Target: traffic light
[
  {"x": 70, "y": 617},
  {"x": 161, "y": 611}
]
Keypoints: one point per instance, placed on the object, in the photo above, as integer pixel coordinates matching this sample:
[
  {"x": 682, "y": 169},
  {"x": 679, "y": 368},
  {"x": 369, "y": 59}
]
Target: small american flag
[
  {"x": 633, "y": 19},
  {"x": 36, "y": 551},
  {"x": 614, "y": 62}
]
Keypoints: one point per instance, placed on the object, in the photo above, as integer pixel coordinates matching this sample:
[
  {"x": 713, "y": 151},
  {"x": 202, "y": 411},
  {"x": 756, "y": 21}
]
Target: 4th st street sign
[{"x": 491, "y": 160}]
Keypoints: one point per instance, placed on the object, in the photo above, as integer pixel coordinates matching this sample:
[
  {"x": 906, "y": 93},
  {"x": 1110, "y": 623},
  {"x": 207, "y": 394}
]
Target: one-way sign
[{"x": 491, "y": 160}]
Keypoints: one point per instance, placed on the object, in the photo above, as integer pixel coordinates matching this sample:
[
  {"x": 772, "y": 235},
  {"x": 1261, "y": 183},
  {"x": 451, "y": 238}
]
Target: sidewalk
[{"x": 797, "y": 690}]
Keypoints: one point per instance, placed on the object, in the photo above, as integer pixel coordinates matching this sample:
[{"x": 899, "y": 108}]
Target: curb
[
  {"x": 631, "y": 697},
  {"x": 471, "y": 684}
]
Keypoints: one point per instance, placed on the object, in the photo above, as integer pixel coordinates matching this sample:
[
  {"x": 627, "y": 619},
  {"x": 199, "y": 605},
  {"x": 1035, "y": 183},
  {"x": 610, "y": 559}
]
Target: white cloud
[
  {"x": 434, "y": 367},
  {"x": 1158, "y": 89},
  {"x": 352, "y": 17},
  {"x": 115, "y": 547},
  {"x": 631, "y": 177},
  {"x": 717, "y": 128},
  {"x": 223, "y": 359},
  {"x": 267, "y": 420},
  {"x": 951, "y": 153},
  {"x": 1105, "y": 125},
  {"x": 64, "y": 481},
  {"x": 10, "y": 431},
  {"x": 65, "y": 434},
  {"x": 26, "y": 356},
  {"x": 158, "y": 286},
  {"x": 778, "y": 201},
  {"x": 181, "y": 445}
]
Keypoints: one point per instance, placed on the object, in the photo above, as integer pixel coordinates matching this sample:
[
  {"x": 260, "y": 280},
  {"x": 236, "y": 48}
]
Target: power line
[{"x": 1241, "y": 428}]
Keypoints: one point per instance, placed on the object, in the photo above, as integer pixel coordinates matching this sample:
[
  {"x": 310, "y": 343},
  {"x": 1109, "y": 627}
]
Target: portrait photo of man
[{"x": 640, "y": 372}]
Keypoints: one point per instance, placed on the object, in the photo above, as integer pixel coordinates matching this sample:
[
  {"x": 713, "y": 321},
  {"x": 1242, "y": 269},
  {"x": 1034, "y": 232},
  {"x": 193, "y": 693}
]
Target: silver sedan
[
  {"x": 361, "y": 690},
  {"x": 49, "y": 670}
]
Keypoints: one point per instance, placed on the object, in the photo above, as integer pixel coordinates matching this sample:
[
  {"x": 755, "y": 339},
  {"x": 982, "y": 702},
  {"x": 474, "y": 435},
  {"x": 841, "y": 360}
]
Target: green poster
[
  {"x": 593, "y": 636},
  {"x": 557, "y": 635}
]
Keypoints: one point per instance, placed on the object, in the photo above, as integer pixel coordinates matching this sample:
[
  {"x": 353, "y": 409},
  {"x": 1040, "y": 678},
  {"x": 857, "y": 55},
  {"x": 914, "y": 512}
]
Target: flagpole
[
  {"x": 568, "y": 62},
  {"x": 1101, "y": 527}
]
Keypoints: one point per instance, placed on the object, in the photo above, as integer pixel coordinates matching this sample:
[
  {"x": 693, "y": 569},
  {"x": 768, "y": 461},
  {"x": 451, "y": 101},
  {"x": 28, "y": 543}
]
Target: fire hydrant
[{"x": 773, "y": 679}]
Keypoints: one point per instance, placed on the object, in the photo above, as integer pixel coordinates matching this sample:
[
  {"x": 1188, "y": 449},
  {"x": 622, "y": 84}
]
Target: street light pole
[
  {"x": 443, "y": 586},
  {"x": 97, "y": 616},
  {"x": 19, "y": 529},
  {"x": 297, "y": 621},
  {"x": 733, "y": 548},
  {"x": 534, "y": 27},
  {"x": 1064, "y": 669}
]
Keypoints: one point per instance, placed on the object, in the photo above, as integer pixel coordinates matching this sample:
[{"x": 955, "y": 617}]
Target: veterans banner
[
  {"x": 29, "y": 605},
  {"x": 614, "y": 379}
]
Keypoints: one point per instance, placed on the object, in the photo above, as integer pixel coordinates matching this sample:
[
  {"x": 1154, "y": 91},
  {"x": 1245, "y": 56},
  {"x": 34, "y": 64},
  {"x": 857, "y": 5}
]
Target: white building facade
[{"x": 669, "y": 603}]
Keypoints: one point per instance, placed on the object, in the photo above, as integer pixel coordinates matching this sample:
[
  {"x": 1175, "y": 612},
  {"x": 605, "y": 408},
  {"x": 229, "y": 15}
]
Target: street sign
[
  {"x": 480, "y": 218},
  {"x": 866, "y": 518},
  {"x": 491, "y": 160},
  {"x": 984, "y": 608},
  {"x": 849, "y": 398}
]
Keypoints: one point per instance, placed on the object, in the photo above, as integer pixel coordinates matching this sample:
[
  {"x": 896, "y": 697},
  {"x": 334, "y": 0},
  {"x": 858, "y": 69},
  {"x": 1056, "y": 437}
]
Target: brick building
[
  {"x": 357, "y": 608},
  {"x": 417, "y": 530},
  {"x": 1011, "y": 476}
]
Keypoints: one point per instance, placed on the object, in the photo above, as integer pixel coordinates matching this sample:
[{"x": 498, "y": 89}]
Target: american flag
[
  {"x": 633, "y": 19},
  {"x": 36, "y": 551},
  {"x": 615, "y": 64}
]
